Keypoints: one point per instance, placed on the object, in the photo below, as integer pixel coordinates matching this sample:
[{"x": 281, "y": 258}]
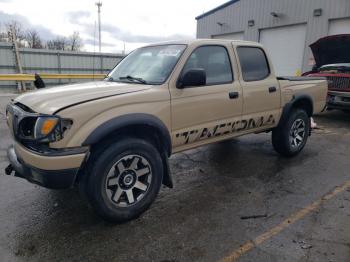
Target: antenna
[{"x": 99, "y": 4}]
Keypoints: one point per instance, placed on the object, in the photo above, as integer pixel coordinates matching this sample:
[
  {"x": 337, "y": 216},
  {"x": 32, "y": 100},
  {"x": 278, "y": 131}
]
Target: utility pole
[
  {"x": 99, "y": 4},
  {"x": 21, "y": 84}
]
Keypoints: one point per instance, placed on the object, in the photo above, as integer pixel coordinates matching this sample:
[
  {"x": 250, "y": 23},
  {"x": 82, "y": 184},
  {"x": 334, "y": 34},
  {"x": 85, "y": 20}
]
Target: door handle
[
  {"x": 272, "y": 89},
  {"x": 233, "y": 95}
]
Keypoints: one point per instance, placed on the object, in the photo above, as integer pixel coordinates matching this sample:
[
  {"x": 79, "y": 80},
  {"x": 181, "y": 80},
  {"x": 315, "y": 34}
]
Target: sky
[{"x": 133, "y": 22}]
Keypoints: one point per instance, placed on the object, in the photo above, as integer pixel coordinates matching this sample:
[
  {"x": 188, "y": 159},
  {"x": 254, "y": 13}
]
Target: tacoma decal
[{"x": 224, "y": 129}]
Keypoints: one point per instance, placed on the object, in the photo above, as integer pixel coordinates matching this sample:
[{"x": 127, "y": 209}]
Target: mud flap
[{"x": 167, "y": 179}]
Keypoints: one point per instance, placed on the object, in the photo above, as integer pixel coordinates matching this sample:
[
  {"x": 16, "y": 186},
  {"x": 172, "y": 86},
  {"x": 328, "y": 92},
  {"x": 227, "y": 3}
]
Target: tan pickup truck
[{"x": 113, "y": 138}]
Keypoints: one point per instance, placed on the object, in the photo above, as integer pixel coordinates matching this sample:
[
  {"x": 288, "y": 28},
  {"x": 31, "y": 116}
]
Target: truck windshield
[{"x": 147, "y": 65}]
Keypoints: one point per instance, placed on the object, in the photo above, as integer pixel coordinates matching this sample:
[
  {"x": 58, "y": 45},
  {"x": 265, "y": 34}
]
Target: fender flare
[
  {"x": 127, "y": 120},
  {"x": 291, "y": 104},
  {"x": 137, "y": 119}
]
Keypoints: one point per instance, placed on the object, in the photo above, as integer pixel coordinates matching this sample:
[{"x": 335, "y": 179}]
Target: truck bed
[{"x": 314, "y": 87}]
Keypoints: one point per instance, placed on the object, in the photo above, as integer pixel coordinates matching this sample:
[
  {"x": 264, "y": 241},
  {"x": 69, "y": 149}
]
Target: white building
[{"x": 285, "y": 27}]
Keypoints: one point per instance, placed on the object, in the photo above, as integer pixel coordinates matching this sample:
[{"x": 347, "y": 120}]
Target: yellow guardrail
[
  {"x": 16, "y": 77},
  {"x": 30, "y": 77},
  {"x": 72, "y": 76}
]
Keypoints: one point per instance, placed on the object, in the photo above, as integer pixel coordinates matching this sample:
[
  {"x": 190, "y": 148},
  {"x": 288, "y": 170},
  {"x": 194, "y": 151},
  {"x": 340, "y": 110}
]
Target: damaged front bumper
[
  {"x": 55, "y": 179},
  {"x": 338, "y": 100}
]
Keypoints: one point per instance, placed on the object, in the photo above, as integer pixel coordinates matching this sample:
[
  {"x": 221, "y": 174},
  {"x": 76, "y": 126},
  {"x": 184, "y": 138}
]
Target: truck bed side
[{"x": 315, "y": 88}]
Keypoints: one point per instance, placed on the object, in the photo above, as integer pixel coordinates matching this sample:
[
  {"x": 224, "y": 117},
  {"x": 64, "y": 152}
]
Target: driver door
[{"x": 205, "y": 113}]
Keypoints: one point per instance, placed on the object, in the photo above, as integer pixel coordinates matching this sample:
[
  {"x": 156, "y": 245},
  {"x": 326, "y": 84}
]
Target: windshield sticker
[{"x": 169, "y": 52}]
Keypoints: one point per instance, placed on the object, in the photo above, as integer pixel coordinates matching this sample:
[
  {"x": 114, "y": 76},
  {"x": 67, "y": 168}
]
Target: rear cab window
[{"x": 254, "y": 63}]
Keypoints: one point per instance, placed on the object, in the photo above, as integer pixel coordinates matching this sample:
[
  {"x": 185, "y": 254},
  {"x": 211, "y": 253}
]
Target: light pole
[{"x": 99, "y": 4}]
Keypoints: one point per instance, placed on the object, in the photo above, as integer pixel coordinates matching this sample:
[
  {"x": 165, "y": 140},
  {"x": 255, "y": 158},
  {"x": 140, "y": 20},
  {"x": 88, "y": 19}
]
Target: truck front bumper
[
  {"x": 338, "y": 100},
  {"x": 48, "y": 177}
]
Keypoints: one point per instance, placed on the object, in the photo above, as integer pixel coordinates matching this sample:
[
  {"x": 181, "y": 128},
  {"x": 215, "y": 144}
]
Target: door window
[
  {"x": 254, "y": 63},
  {"x": 214, "y": 60}
]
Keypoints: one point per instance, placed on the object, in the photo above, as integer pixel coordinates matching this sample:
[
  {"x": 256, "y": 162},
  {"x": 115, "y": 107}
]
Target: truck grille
[
  {"x": 338, "y": 82},
  {"x": 335, "y": 82}
]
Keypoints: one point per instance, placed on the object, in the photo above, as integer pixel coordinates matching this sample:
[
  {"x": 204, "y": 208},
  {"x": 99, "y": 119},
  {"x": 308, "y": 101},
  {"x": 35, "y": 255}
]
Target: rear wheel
[
  {"x": 125, "y": 179},
  {"x": 290, "y": 137}
]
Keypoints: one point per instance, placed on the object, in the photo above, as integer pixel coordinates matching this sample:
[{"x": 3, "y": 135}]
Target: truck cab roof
[{"x": 206, "y": 41}]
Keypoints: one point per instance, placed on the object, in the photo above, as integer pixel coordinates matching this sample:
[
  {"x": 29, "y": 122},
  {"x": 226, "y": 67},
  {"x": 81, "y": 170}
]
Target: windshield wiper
[{"x": 131, "y": 78}]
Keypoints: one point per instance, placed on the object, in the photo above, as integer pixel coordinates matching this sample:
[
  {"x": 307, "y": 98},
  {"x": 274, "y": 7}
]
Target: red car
[{"x": 332, "y": 57}]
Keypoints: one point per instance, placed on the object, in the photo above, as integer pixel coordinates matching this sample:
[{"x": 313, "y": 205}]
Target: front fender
[
  {"x": 128, "y": 120},
  {"x": 137, "y": 119}
]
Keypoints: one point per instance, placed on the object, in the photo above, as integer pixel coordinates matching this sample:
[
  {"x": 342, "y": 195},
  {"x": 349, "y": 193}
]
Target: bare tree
[
  {"x": 75, "y": 42},
  {"x": 3, "y": 34},
  {"x": 33, "y": 39},
  {"x": 60, "y": 43},
  {"x": 14, "y": 30},
  {"x": 3, "y": 37}
]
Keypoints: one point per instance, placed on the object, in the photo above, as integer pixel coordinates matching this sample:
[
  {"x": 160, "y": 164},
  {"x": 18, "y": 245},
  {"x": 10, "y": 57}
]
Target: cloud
[
  {"x": 5, "y": 18},
  {"x": 5, "y": 1},
  {"x": 126, "y": 36},
  {"x": 90, "y": 41},
  {"x": 112, "y": 35},
  {"x": 44, "y": 32},
  {"x": 79, "y": 18},
  {"x": 74, "y": 17}
]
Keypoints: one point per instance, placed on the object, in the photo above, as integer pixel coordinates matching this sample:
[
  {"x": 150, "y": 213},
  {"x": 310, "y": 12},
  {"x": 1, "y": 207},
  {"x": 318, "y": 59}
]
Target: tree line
[{"x": 32, "y": 39}]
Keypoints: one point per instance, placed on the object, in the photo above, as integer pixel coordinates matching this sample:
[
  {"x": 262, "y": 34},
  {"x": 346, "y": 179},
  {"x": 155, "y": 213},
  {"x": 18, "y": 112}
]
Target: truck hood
[
  {"x": 333, "y": 49},
  {"x": 51, "y": 100},
  {"x": 341, "y": 68}
]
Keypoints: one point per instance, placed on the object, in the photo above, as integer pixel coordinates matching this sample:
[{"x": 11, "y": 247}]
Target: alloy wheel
[
  {"x": 297, "y": 133},
  {"x": 128, "y": 180}
]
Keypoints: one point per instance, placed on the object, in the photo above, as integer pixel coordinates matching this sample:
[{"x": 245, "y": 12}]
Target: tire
[
  {"x": 290, "y": 136},
  {"x": 124, "y": 179}
]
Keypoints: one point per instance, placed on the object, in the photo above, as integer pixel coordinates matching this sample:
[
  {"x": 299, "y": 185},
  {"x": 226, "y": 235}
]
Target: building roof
[{"x": 216, "y": 9}]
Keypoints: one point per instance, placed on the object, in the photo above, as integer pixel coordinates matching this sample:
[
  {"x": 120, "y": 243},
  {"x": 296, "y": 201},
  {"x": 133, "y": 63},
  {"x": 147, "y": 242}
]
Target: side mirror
[{"x": 192, "y": 78}]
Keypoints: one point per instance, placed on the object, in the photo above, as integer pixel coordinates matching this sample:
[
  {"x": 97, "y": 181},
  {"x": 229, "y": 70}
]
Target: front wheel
[
  {"x": 290, "y": 137},
  {"x": 124, "y": 179}
]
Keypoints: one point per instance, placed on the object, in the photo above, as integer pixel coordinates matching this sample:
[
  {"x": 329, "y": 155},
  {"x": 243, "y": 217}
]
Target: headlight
[{"x": 43, "y": 128}]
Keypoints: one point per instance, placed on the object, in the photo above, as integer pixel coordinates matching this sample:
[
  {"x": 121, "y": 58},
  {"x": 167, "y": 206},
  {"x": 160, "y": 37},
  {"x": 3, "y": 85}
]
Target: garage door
[
  {"x": 285, "y": 45},
  {"x": 341, "y": 26},
  {"x": 232, "y": 36}
]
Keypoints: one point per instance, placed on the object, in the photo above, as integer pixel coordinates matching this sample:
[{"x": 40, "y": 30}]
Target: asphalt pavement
[{"x": 236, "y": 199}]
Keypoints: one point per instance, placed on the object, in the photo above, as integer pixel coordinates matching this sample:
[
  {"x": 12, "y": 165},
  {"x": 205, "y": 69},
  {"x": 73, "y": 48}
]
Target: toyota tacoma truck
[{"x": 112, "y": 138}]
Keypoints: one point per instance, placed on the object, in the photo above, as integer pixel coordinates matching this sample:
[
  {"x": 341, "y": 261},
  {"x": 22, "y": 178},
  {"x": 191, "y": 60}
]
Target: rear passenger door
[
  {"x": 260, "y": 87},
  {"x": 201, "y": 114}
]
